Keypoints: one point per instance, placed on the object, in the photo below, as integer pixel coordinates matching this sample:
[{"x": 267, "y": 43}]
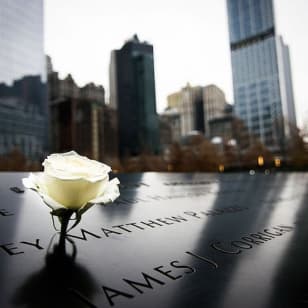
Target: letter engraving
[
  {"x": 4, "y": 212},
  {"x": 211, "y": 262},
  {"x": 193, "y": 214},
  {"x": 36, "y": 244},
  {"x": 251, "y": 240},
  {"x": 164, "y": 221},
  {"x": 286, "y": 228},
  {"x": 177, "y": 218},
  {"x": 111, "y": 293},
  {"x": 135, "y": 225},
  {"x": 241, "y": 244},
  {"x": 166, "y": 273},
  {"x": 214, "y": 246},
  {"x": 17, "y": 190},
  {"x": 107, "y": 232},
  {"x": 263, "y": 238},
  {"x": 122, "y": 228},
  {"x": 266, "y": 235},
  {"x": 136, "y": 284},
  {"x": 151, "y": 223},
  {"x": 271, "y": 233},
  {"x": 83, "y": 233},
  {"x": 10, "y": 250},
  {"x": 190, "y": 269}
]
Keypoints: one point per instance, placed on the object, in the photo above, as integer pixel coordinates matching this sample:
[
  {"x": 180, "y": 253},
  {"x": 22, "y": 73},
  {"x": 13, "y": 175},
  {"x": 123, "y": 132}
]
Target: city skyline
[{"x": 189, "y": 44}]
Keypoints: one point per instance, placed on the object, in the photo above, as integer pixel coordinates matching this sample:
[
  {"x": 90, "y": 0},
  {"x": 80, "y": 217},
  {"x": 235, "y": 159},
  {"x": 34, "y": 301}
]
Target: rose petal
[
  {"x": 35, "y": 183},
  {"x": 110, "y": 194},
  {"x": 72, "y": 166},
  {"x": 53, "y": 204},
  {"x": 30, "y": 182}
]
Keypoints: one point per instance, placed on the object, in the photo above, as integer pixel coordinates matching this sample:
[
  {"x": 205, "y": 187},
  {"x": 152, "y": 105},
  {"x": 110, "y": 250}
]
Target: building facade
[
  {"x": 191, "y": 110},
  {"x": 23, "y": 91},
  {"x": 77, "y": 117},
  {"x": 261, "y": 70},
  {"x": 110, "y": 135},
  {"x": 172, "y": 117},
  {"x": 214, "y": 105},
  {"x": 77, "y": 124},
  {"x": 132, "y": 94},
  {"x": 196, "y": 106},
  {"x": 189, "y": 104},
  {"x": 174, "y": 99},
  {"x": 230, "y": 129}
]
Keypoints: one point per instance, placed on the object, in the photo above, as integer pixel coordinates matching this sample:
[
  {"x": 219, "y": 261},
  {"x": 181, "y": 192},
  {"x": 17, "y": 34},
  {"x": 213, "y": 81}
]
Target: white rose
[{"x": 72, "y": 181}]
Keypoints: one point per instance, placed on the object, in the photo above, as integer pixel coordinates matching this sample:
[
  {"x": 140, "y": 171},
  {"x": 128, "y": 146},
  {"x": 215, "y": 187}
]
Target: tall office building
[
  {"x": 132, "y": 93},
  {"x": 261, "y": 70},
  {"x": 23, "y": 99}
]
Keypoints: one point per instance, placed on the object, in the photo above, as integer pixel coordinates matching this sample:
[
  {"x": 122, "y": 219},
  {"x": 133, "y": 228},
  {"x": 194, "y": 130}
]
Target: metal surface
[{"x": 171, "y": 240}]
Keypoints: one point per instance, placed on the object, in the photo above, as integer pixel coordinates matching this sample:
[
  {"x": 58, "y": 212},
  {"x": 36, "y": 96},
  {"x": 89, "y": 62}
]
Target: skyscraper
[
  {"x": 23, "y": 99},
  {"x": 261, "y": 70},
  {"x": 132, "y": 93}
]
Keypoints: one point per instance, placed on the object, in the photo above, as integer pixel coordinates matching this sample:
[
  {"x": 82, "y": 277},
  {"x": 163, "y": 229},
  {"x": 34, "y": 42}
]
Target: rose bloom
[{"x": 73, "y": 181}]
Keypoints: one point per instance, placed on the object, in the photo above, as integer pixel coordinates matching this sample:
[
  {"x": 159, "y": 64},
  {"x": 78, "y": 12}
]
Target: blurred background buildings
[
  {"x": 199, "y": 130},
  {"x": 23, "y": 89}
]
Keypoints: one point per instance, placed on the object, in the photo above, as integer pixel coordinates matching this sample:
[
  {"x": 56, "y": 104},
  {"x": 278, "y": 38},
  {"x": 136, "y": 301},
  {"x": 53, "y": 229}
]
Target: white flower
[{"x": 74, "y": 182}]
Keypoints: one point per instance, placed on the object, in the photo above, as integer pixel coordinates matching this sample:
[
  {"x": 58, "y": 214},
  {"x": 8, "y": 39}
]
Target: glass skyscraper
[
  {"x": 261, "y": 70},
  {"x": 132, "y": 93},
  {"x": 23, "y": 99}
]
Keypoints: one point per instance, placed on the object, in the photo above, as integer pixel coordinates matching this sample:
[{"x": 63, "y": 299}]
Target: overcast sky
[{"x": 190, "y": 40}]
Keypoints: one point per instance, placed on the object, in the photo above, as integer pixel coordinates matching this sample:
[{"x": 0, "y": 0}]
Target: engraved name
[
  {"x": 157, "y": 277},
  {"x": 122, "y": 229}
]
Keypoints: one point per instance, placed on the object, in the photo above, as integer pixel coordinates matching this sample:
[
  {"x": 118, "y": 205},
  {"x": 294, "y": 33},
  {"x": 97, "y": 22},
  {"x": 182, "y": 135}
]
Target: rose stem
[{"x": 65, "y": 218}]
